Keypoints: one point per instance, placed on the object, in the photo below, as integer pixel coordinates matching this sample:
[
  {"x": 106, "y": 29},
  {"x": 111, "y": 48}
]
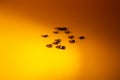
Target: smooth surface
[{"x": 23, "y": 55}]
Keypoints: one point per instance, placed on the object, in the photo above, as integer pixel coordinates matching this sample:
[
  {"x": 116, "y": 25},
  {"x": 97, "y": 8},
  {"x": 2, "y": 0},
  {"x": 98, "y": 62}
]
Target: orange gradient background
[{"x": 23, "y": 55}]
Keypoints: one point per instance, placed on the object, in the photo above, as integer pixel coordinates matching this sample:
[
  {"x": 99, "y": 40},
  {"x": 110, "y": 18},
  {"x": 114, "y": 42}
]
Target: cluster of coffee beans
[{"x": 57, "y": 42}]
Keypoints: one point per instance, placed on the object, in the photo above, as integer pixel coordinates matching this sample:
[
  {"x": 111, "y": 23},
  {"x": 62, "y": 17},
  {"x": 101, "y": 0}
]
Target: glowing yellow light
[{"x": 24, "y": 56}]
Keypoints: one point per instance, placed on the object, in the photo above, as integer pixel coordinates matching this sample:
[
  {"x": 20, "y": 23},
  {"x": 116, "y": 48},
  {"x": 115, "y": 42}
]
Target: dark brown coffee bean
[
  {"x": 45, "y": 36},
  {"x": 71, "y": 41},
  {"x": 71, "y": 37},
  {"x": 82, "y": 37},
  {"x": 67, "y": 32},
  {"x": 49, "y": 45}
]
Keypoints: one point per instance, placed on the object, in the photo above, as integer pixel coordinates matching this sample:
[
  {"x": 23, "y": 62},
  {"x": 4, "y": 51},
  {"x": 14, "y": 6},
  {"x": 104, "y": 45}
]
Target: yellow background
[{"x": 23, "y": 55}]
